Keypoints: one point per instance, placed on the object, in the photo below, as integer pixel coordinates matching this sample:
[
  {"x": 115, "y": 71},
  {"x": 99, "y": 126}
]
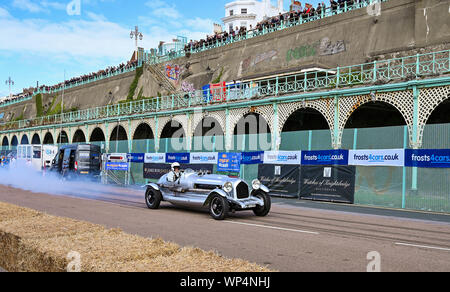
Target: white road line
[
  {"x": 423, "y": 246},
  {"x": 274, "y": 227}
]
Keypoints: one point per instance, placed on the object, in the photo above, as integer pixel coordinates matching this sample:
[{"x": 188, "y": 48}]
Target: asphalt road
[{"x": 292, "y": 238}]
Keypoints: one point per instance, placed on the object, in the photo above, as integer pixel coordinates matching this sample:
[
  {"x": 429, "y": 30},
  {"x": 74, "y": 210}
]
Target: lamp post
[
  {"x": 136, "y": 34},
  {"x": 9, "y": 82}
]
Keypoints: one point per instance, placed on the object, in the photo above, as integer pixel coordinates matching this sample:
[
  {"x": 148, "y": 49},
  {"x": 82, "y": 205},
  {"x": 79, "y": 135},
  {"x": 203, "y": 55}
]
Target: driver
[{"x": 174, "y": 174}]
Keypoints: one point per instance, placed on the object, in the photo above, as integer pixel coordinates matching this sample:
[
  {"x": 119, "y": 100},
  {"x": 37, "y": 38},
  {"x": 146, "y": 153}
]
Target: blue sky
[{"x": 39, "y": 39}]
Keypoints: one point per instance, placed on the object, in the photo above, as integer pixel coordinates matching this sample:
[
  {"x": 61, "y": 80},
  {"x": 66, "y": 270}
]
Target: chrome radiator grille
[{"x": 242, "y": 191}]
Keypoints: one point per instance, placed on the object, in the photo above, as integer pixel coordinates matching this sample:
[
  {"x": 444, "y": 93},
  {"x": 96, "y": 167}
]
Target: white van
[{"x": 38, "y": 156}]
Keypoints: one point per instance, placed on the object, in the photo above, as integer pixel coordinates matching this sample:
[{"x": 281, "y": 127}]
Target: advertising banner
[
  {"x": 328, "y": 183},
  {"x": 136, "y": 157},
  {"x": 326, "y": 157},
  {"x": 253, "y": 157},
  {"x": 391, "y": 157},
  {"x": 178, "y": 157},
  {"x": 229, "y": 162},
  {"x": 283, "y": 157},
  {"x": 121, "y": 166},
  {"x": 157, "y": 170},
  {"x": 438, "y": 158},
  {"x": 282, "y": 180},
  {"x": 155, "y": 158},
  {"x": 204, "y": 158}
]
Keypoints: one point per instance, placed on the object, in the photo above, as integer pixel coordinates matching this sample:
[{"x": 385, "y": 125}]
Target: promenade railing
[
  {"x": 287, "y": 23},
  {"x": 70, "y": 85},
  {"x": 374, "y": 73}
]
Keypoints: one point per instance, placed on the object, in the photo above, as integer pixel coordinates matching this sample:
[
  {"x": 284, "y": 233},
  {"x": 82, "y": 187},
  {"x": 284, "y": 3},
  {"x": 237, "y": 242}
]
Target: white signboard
[
  {"x": 283, "y": 157},
  {"x": 391, "y": 157},
  {"x": 204, "y": 158},
  {"x": 155, "y": 158}
]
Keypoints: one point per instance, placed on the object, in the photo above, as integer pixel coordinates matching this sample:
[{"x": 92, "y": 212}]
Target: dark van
[{"x": 75, "y": 161}]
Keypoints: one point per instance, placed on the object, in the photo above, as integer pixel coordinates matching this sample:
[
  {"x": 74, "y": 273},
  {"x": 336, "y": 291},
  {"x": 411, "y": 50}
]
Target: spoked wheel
[
  {"x": 152, "y": 198},
  {"x": 219, "y": 207}
]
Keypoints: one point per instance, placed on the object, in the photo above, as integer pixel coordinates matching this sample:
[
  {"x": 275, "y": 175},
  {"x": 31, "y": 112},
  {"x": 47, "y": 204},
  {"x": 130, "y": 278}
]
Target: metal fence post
[
  {"x": 276, "y": 86},
  {"x": 374, "y": 71},
  {"x": 338, "y": 77},
  {"x": 417, "y": 66},
  {"x": 405, "y": 145}
]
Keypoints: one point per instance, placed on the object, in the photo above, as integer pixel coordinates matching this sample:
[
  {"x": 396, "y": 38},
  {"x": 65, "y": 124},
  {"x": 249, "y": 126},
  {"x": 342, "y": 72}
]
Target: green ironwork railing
[
  {"x": 44, "y": 89},
  {"x": 398, "y": 69},
  {"x": 324, "y": 13}
]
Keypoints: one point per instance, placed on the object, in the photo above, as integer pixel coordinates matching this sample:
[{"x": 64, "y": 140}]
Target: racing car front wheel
[
  {"x": 219, "y": 207},
  {"x": 152, "y": 198},
  {"x": 262, "y": 211}
]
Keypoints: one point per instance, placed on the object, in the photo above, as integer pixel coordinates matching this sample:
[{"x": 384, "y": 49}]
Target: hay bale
[
  {"x": 191, "y": 260},
  {"x": 10, "y": 212},
  {"x": 36, "y": 242},
  {"x": 44, "y": 226},
  {"x": 104, "y": 250},
  {"x": 9, "y": 248}
]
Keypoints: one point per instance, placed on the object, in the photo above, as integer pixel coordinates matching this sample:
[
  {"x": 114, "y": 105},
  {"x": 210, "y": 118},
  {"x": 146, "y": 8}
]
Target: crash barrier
[
  {"x": 231, "y": 162},
  {"x": 116, "y": 169},
  {"x": 31, "y": 241},
  {"x": 426, "y": 189},
  {"x": 327, "y": 175},
  {"x": 400, "y": 187}
]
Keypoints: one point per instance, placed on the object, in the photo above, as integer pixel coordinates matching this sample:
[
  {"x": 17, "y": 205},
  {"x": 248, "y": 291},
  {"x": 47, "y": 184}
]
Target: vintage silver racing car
[{"x": 220, "y": 193}]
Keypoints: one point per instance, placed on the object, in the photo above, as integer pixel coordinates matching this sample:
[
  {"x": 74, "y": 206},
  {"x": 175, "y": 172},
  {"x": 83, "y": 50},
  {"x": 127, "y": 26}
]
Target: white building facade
[{"x": 249, "y": 12}]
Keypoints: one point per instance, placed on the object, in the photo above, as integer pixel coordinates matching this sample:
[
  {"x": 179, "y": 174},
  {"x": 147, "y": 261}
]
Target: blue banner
[
  {"x": 426, "y": 158},
  {"x": 122, "y": 166},
  {"x": 136, "y": 157},
  {"x": 178, "y": 157},
  {"x": 229, "y": 162},
  {"x": 326, "y": 157},
  {"x": 252, "y": 157}
]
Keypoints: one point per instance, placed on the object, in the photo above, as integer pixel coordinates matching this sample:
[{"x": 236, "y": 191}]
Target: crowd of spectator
[
  {"x": 15, "y": 98},
  {"x": 130, "y": 65},
  {"x": 92, "y": 76},
  {"x": 287, "y": 19}
]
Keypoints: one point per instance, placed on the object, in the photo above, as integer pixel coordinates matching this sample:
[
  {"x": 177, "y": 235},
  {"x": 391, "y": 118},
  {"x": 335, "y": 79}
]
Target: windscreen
[{"x": 37, "y": 153}]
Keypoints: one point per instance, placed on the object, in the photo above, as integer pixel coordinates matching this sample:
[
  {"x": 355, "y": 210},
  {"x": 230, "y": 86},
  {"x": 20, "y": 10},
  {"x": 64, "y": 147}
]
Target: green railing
[
  {"x": 398, "y": 69},
  {"x": 44, "y": 90},
  {"x": 326, "y": 12}
]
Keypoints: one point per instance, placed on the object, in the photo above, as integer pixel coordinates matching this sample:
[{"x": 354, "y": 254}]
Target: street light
[
  {"x": 9, "y": 82},
  {"x": 136, "y": 34}
]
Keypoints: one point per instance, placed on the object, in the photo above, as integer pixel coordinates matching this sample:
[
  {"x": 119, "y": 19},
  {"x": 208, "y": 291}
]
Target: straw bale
[
  {"x": 10, "y": 212},
  {"x": 37, "y": 242},
  {"x": 45, "y": 226},
  {"x": 103, "y": 250},
  {"x": 191, "y": 259}
]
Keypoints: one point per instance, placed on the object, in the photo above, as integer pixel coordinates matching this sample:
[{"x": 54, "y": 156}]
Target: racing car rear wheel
[
  {"x": 152, "y": 198},
  {"x": 219, "y": 207},
  {"x": 262, "y": 211}
]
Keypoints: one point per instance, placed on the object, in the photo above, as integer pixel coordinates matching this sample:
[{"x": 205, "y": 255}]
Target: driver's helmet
[{"x": 175, "y": 165}]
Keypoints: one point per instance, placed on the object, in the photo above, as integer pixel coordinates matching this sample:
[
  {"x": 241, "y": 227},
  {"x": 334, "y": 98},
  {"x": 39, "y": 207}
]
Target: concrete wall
[{"x": 405, "y": 27}]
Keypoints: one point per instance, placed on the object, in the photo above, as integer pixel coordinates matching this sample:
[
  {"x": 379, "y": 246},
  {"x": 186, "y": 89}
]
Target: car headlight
[
  {"x": 228, "y": 187},
  {"x": 256, "y": 184}
]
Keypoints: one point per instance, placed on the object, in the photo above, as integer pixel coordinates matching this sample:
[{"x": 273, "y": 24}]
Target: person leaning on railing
[{"x": 334, "y": 6}]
